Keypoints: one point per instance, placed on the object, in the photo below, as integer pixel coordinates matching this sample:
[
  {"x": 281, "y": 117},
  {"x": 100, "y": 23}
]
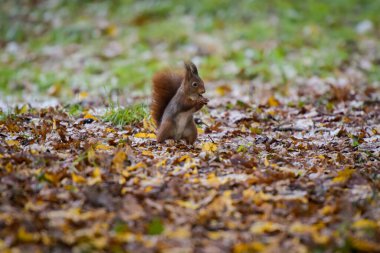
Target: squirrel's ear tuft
[{"x": 191, "y": 68}]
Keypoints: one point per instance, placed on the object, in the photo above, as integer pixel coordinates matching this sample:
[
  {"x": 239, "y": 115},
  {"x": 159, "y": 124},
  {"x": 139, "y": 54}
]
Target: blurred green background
[{"x": 59, "y": 48}]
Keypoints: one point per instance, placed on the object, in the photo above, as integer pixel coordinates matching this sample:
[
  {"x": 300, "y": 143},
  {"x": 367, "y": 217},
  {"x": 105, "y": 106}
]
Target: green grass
[
  {"x": 280, "y": 34},
  {"x": 12, "y": 112},
  {"x": 5, "y": 115},
  {"x": 74, "y": 109},
  {"x": 125, "y": 116}
]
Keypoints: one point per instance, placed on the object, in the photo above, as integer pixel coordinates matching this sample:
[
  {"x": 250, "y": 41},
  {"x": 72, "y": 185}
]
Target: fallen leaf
[
  {"x": 209, "y": 147},
  {"x": 111, "y": 30},
  {"x": 343, "y": 175},
  {"x": 134, "y": 167},
  {"x": 262, "y": 227},
  {"x": 147, "y": 153},
  {"x": 223, "y": 90},
  {"x": 155, "y": 227},
  {"x": 96, "y": 177},
  {"x": 364, "y": 245},
  {"x": 82, "y": 95},
  {"x": 161, "y": 163},
  {"x": 249, "y": 247},
  {"x": 102, "y": 147},
  {"x": 26, "y": 236},
  {"x": 365, "y": 224},
  {"x": 78, "y": 178},
  {"x": 273, "y": 102},
  {"x": 90, "y": 116},
  {"x": 145, "y": 135},
  {"x": 118, "y": 159},
  {"x": 13, "y": 143}
]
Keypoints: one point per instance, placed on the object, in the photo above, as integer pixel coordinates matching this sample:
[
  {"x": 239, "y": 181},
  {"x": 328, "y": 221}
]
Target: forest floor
[{"x": 288, "y": 153}]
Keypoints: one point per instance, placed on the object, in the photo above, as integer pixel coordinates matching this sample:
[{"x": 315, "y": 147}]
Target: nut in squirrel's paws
[{"x": 203, "y": 99}]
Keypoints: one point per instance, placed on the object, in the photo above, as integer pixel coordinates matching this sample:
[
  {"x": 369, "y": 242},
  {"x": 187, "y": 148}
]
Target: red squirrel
[{"x": 175, "y": 98}]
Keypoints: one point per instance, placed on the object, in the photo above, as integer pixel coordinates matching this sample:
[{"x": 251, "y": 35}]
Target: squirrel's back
[{"x": 165, "y": 86}]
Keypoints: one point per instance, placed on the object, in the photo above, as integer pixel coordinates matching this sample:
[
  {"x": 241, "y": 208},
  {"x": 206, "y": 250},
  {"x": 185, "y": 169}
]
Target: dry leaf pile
[{"x": 262, "y": 177}]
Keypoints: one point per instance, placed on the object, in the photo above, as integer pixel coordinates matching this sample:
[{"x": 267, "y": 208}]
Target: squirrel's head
[{"x": 193, "y": 83}]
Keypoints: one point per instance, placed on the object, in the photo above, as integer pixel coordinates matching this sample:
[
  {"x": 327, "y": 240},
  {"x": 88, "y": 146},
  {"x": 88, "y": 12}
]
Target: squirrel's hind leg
[
  {"x": 190, "y": 134},
  {"x": 165, "y": 131}
]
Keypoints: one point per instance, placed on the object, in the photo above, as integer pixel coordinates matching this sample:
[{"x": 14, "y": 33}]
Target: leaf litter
[{"x": 261, "y": 176}]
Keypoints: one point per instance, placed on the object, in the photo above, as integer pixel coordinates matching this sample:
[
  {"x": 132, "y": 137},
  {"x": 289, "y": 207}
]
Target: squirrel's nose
[{"x": 202, "y": 91}]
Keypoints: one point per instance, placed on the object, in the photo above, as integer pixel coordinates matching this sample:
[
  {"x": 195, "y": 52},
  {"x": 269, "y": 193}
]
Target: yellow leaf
[
  {"x": 266, "y": 162},
  {"x": 148, "y": 189},
  {"x": 187, "y": 204},
  {"x": 122, "y": 180},
  {"x": 110, "y": 130},
  {"x": 273, "y": 102},
  {"x": 319, "y": 238},
  {"x": 26, "y": 236},
  {"x": 249, "y": 247},
  {"x": 149, "y": 124},
  {"x": 195, "y": 180},
  {"x": 96, "y": 173},
  {"x": 161, "y": 163},
  {"x": 214, "y": 235},
  {"x": 118, "y": 159},
  {"x": 102, "y": 147},
  {"x": 312, "y": 230},
  {"x": 46, "y": 240},
  {"x": 24, "y": 109},
  {"x": 223, "y": 90},
  {"x": 186, "y": 158},
  {"x": 9, "y": 167},
  {"x": 91, "y": 154},
  {"x": 100, "y": 242},
  {"x": 134, "y": 167},
  {"x": 343, "y": 175},
  {"x": 111, "y": 30},
  {"x": 255, "y": 130},
  {"x": 55, "y": 90},
  {"x": 182, "y": 232},
  {"x": 69, "y": 187},
  {"x": 90, "y": 116},
  {"x": 209, "y": 147},
  {"x": 1, "y": 156},
  {"x": 145, "y": 135},
  {"x": 213, "y": 180},
  {"x": 364, "y": 245},
  {"x": 327, "y": 210},
  {"x": 53, "y": 178},
  {"x": 12, "y": 143},
  {"x": 82, "y": 95},
  {"x": 322, "y": 157},
  {"x": 200, "y": 130},
  {"x": 262, "y": 227},
  {"x": 35, "y": 205},
  {"x": 147, "y": 153},
  {"x": 78, "y": 178},
  {"x": 365, "y": 224}
]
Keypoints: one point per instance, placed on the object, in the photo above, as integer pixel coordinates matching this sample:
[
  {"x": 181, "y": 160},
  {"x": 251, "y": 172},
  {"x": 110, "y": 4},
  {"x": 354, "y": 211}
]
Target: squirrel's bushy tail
[{"x": 165, "y": 86}]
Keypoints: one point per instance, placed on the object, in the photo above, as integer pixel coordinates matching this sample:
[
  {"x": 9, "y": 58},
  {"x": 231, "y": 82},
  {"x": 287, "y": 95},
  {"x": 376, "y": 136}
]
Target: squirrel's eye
[{"x": 194, "y": 84}]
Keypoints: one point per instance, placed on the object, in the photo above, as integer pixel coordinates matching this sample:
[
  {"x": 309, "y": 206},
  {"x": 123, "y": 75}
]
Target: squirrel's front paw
[{"x": 203, "y": 100}]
